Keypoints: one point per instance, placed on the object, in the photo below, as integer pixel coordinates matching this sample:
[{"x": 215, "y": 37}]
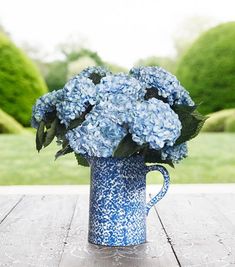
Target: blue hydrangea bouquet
[
  {"x": 116, "y": 123},
  {"x": 99, "y": 114}
]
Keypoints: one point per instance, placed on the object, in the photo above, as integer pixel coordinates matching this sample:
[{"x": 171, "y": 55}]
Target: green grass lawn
[{"x": 211, "y": 160}]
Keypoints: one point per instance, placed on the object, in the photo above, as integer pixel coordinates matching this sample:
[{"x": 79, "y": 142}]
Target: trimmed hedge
[
  {"x": 8, "y": 124},
  {"x": 221, "y": 121},
  {"x": 20, "y": 82},
  {"x": 207, "y": 69}
]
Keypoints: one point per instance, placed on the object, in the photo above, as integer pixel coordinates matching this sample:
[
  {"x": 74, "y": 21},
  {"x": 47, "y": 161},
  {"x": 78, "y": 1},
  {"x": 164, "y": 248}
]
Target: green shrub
[
  {"x": 221, "y": 121},
  {"x": 20, "y": 82},
  {"x": 56, "y": 76},
  {"x": 8, "y": 124},
  {"x": 230, "y": 124},
  {"x": 207, "y": 69}
]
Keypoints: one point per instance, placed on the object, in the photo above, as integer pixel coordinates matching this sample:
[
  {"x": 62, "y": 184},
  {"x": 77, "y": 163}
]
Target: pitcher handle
[{"x": 164, "y": 188}]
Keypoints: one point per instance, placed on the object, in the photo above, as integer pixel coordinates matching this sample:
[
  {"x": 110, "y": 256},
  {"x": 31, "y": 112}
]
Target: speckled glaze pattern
[{"x": 118, "y": 210}]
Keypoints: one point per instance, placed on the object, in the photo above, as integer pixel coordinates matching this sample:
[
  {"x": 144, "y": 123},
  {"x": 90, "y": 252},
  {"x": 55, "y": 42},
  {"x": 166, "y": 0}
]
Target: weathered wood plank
[
  {"x": 199, "y": 233},
  {"x": 34, "y": 232},
  {"x": 78, "y": 252},
  {"x": 84, "y": 189},
  {"x": 7, "y": 204},
  {"x": 200, "y": 227},
  {"x": 225, "y": 203}
]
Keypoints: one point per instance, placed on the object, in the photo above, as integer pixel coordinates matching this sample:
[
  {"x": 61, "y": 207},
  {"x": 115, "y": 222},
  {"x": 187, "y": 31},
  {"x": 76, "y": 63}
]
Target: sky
[{"x": 121, "y": 31}]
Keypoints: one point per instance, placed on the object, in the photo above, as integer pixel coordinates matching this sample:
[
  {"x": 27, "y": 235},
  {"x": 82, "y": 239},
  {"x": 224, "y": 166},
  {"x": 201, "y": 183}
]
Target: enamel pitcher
[{"x": 118, "y": 210}]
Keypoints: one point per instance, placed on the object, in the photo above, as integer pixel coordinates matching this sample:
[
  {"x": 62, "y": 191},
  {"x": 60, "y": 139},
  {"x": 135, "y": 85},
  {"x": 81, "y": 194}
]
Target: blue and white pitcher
[{"x": 118, "y": 210}]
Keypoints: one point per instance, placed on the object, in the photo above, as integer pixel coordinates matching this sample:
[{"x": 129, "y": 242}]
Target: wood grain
[
  {"x": 34, "y": 232},
  {"x": 191, "y": 230},
  {"x": 7, "y": 204},
  {"x": 199, "y": 233},
  {"x": 225, "y": 203},
  {"x": 78, "y": 252}
]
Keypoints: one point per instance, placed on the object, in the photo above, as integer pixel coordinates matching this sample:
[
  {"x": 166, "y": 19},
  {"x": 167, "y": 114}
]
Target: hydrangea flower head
[
  {"x": 154, "y": 122},
  {"x": 174, "y": 153},
  {"x": 78, "y": 94},
  {"x": 117, "y": 94},
  {"x": 110, "y": 106},
  {"x": 97, "y": 136},
  {"x": 165, "y": 83},
  {"x": 45, "y": 104}
]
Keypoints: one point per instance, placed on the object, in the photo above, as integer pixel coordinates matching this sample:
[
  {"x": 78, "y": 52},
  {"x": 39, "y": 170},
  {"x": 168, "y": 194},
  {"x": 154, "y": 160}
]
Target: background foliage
[
  {"x": 208, "y": 162},
  {"x": 207, "y": 69},
  {"x": 220, "y": 121},
  {"x": 164, "y": 62},
  {"x": 9, "y": 125},
  {"x": 20, "y": 81},
  {"x": 58, "y": 72}
]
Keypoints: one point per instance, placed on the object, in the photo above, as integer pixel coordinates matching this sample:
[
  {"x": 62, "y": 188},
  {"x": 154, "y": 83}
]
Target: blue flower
[
  {"x": 174, "y": 153},
  {"x": 118, "y": 106},
  {"x": 154, "y": 122},
  {"x": 78, "y": 94},
  {"x": 120, "y": 84},
  {"x": 45, "y": 104},
  {"x": 165, "y": 83},
  {"x": 98, "y": 135},
  {"x": 117, "y": 94}
]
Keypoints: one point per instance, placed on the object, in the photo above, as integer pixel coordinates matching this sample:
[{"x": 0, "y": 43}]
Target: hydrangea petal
[{"x": 78, "y": 94}]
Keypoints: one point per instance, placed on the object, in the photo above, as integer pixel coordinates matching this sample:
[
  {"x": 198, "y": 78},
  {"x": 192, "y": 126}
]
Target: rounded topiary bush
[
  {"x": 220, "y": 121},
  {"x": 230, "y": 124},
  {"x": 9, "y": 124},
  {"x": 20, "y": 81},
  {"x": 207, "y": 69}
]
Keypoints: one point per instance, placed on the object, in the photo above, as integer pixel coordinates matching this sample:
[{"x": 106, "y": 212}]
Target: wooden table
[{"x": 47, "y": 226}]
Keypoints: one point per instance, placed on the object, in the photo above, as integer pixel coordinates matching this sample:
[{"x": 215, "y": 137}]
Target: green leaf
[
  {"x": 154, "y": 156},
  {"x": 60, "y": 129},
  {"x": 51, "y": 133},
  {"x": 75, "y": 123},
  {"x": 40, "y": 136},
  {"x": 67, "y": 149},
  {"x": 95, "y": 78},
  {"x": 127, "y": 147},
  {"x": 191, "y": 120},
  {"x": 153, "y": 93},
  {"x": 60, "y": 133},
  {"x": 81, "y": 160}
]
